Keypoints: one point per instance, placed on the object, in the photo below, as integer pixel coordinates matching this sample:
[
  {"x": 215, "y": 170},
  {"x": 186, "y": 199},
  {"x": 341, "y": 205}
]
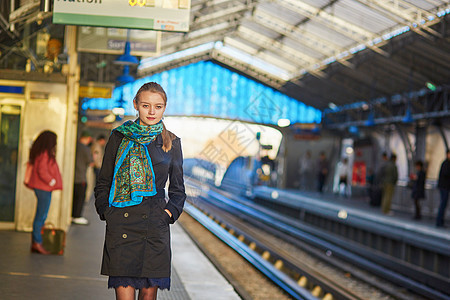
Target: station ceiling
[{"x": 320, "y": 52}]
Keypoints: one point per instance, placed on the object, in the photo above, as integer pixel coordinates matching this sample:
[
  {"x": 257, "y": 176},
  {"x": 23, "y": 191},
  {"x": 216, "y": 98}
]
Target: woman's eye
[
  {"x": 159, "y": 107},
  {"x": 145, "y": 106}
]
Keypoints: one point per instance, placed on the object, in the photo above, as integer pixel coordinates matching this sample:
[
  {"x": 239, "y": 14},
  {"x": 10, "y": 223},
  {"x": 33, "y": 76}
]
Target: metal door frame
[{"x": 17, "y": 100}]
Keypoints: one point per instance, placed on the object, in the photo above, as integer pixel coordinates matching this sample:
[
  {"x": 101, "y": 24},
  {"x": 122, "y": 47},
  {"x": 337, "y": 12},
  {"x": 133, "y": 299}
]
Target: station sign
[
  {"x": 164, "y": 15},
  {"x": 112, "y": 40},
  {"x": 306, "y": 131},
  {"x": 11, "y": 89},
  {"x": 95, "y": 92}
]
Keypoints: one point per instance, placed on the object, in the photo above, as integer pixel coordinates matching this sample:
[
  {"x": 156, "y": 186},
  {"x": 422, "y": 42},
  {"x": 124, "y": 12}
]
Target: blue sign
[{"x": 12, "y": 89}]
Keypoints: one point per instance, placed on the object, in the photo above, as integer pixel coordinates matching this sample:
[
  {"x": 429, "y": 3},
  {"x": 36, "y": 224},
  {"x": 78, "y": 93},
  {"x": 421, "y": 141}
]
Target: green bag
[{"x": 53, "y": 239}]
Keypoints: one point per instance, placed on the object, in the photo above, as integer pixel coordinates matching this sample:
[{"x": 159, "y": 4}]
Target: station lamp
[
  {"x": 408, "y": 116},
  {"x": 126, "y": 58},
  {"x": 284, "y": 122},
  {"x": 354, "y": 130},
  {"x": 125, "y": 77},
  {"x": 332, "y": 106},
  {"x": 430, "y": 86},
  {"x": 370, "y": 119}
]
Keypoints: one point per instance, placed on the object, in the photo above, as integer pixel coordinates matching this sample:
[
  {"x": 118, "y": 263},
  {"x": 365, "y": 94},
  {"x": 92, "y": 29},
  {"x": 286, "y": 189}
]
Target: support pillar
[
  {"x": 73, "y": 78},
  {"x": 421, "y": 141}
]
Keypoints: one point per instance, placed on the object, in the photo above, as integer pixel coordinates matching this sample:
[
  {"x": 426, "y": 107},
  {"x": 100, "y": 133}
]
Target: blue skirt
[{"x": 138, "y": 282}]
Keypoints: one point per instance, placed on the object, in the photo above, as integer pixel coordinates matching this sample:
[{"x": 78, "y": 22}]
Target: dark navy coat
[
  {"x": 444, "y": 175},
  {"x": 418, "y": 188},
  {"x": 137, "y": 240}
]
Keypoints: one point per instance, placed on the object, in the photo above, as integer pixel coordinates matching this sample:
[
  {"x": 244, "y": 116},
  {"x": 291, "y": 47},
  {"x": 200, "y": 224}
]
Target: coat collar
[{"x": 158, "y": 141}]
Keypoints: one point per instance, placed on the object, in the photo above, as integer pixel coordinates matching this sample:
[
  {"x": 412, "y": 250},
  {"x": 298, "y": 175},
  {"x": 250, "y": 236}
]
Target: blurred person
[
  {"x": 418, "y": 188},
  {"x": 388, "y": 181},
  {"x": 370, "y": 182},
  {"x": 342, "y": 171},
  {"x": 444, "y": 189},
  {"x": 379, "y": 173},
  {"x": 306, "y": 170},
  {"x": 83, "y": 160},
  {"x": 139, "y": 158},
  {"x": 376, "y": 188},
  {"x": 98, "y": 149},
  {"x": 323, "y": 171},
  {"x": 45, "y": 177}
]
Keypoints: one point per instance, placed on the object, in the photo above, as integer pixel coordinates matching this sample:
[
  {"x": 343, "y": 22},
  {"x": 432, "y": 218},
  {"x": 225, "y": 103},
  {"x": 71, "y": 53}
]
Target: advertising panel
[
  {"x": 165, "y": 15},
  {"x": 112, "y": 40}
]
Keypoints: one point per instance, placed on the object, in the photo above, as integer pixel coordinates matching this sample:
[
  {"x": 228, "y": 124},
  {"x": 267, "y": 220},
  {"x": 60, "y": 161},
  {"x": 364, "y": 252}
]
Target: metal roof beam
[
  {"x": 344, "y": 27},
  {"x": 303, "y": 87},
  {"x": 429, "y": 68},
  {"x": 407, "y": 11},
  {"x": 403, "y": 69},
  {"x": 440, "y": 56},
  {"x": 337, "y": 89},
  {"x": 318, "y": 14},
  {"x": 248, "y": 69},
  {"x": 193, "y": 58},
  {"x": 308, "y": 97},
  {"x": 223, "y": 13},
  {"x": 287, "y": 66},
  {"x": 281, "y": 49},
  {"x": 217, "y": 32},
  {"x": 193, "y": 43},
  {"x": 269, "y": 63},
  {"x": 274, "y": 45},
  {"x": 365, "y": 79},
  {"x": 197, "y": 6},
  {"x": 312, "y": 41}
]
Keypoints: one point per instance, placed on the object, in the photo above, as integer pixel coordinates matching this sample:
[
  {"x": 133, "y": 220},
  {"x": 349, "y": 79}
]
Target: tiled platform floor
[{"x": 75, "y": 275}]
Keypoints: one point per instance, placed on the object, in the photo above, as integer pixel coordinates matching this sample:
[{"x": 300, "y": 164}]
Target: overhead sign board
[
  {"x": 165, "y": 15},
  {"x": 112, "y": 40},
  {"x": 94, "y": 92},
  {"x": 306, "y": 131}
]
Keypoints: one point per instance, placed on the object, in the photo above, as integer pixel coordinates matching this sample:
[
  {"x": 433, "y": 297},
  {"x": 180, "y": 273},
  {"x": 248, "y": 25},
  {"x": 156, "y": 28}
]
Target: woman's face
[{"x": 151, "y": 108}]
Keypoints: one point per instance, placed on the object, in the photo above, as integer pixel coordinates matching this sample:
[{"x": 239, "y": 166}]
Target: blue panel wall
[{"x": 207, "y": 89}]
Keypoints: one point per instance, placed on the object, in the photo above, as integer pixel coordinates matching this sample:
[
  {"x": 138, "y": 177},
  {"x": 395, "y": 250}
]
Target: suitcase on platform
[{"x": 53, "y": 239}]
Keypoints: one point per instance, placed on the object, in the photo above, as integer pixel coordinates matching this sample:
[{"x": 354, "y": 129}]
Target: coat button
[
  {"x": 144, "y": 216},
  {"x": 124, "y": 235},
  {"x": 125, "y": 215}
]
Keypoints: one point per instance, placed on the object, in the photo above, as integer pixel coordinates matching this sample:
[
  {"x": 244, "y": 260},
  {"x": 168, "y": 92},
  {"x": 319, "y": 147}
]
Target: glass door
[{"x": 9, "y": 146}]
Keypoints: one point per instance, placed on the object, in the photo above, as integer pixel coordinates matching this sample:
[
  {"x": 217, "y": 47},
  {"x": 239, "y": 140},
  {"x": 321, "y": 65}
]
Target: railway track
[{"x": 224, "y": 217}]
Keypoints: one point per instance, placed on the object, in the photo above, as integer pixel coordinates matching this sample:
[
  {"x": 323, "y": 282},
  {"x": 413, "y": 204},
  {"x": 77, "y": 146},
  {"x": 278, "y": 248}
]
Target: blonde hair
[{"x": 154, "y": 87}]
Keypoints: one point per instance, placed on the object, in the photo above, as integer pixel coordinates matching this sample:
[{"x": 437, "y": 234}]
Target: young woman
[
  {"x": 44, "y": 179},
  {"x": 130, "y": 196}
]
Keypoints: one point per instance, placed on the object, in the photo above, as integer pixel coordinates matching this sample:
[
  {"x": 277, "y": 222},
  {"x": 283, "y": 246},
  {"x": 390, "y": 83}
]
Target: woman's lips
[{"x": 150, "y": 118}]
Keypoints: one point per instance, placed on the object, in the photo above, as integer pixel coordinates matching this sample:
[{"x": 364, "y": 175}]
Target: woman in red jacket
[{"x": 44, "y": 179}]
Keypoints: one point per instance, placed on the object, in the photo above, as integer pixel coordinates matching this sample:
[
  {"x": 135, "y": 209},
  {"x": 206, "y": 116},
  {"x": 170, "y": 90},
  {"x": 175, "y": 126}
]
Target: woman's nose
[{"x": 151, "y": 111}]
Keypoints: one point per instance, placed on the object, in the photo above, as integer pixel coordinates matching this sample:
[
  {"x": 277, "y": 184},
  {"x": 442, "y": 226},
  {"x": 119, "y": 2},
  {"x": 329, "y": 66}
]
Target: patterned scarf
[{"x": 133, "y": 171}]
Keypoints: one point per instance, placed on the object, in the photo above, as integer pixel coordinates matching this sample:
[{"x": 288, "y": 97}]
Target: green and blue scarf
[{"x": 133, "y": 170}]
